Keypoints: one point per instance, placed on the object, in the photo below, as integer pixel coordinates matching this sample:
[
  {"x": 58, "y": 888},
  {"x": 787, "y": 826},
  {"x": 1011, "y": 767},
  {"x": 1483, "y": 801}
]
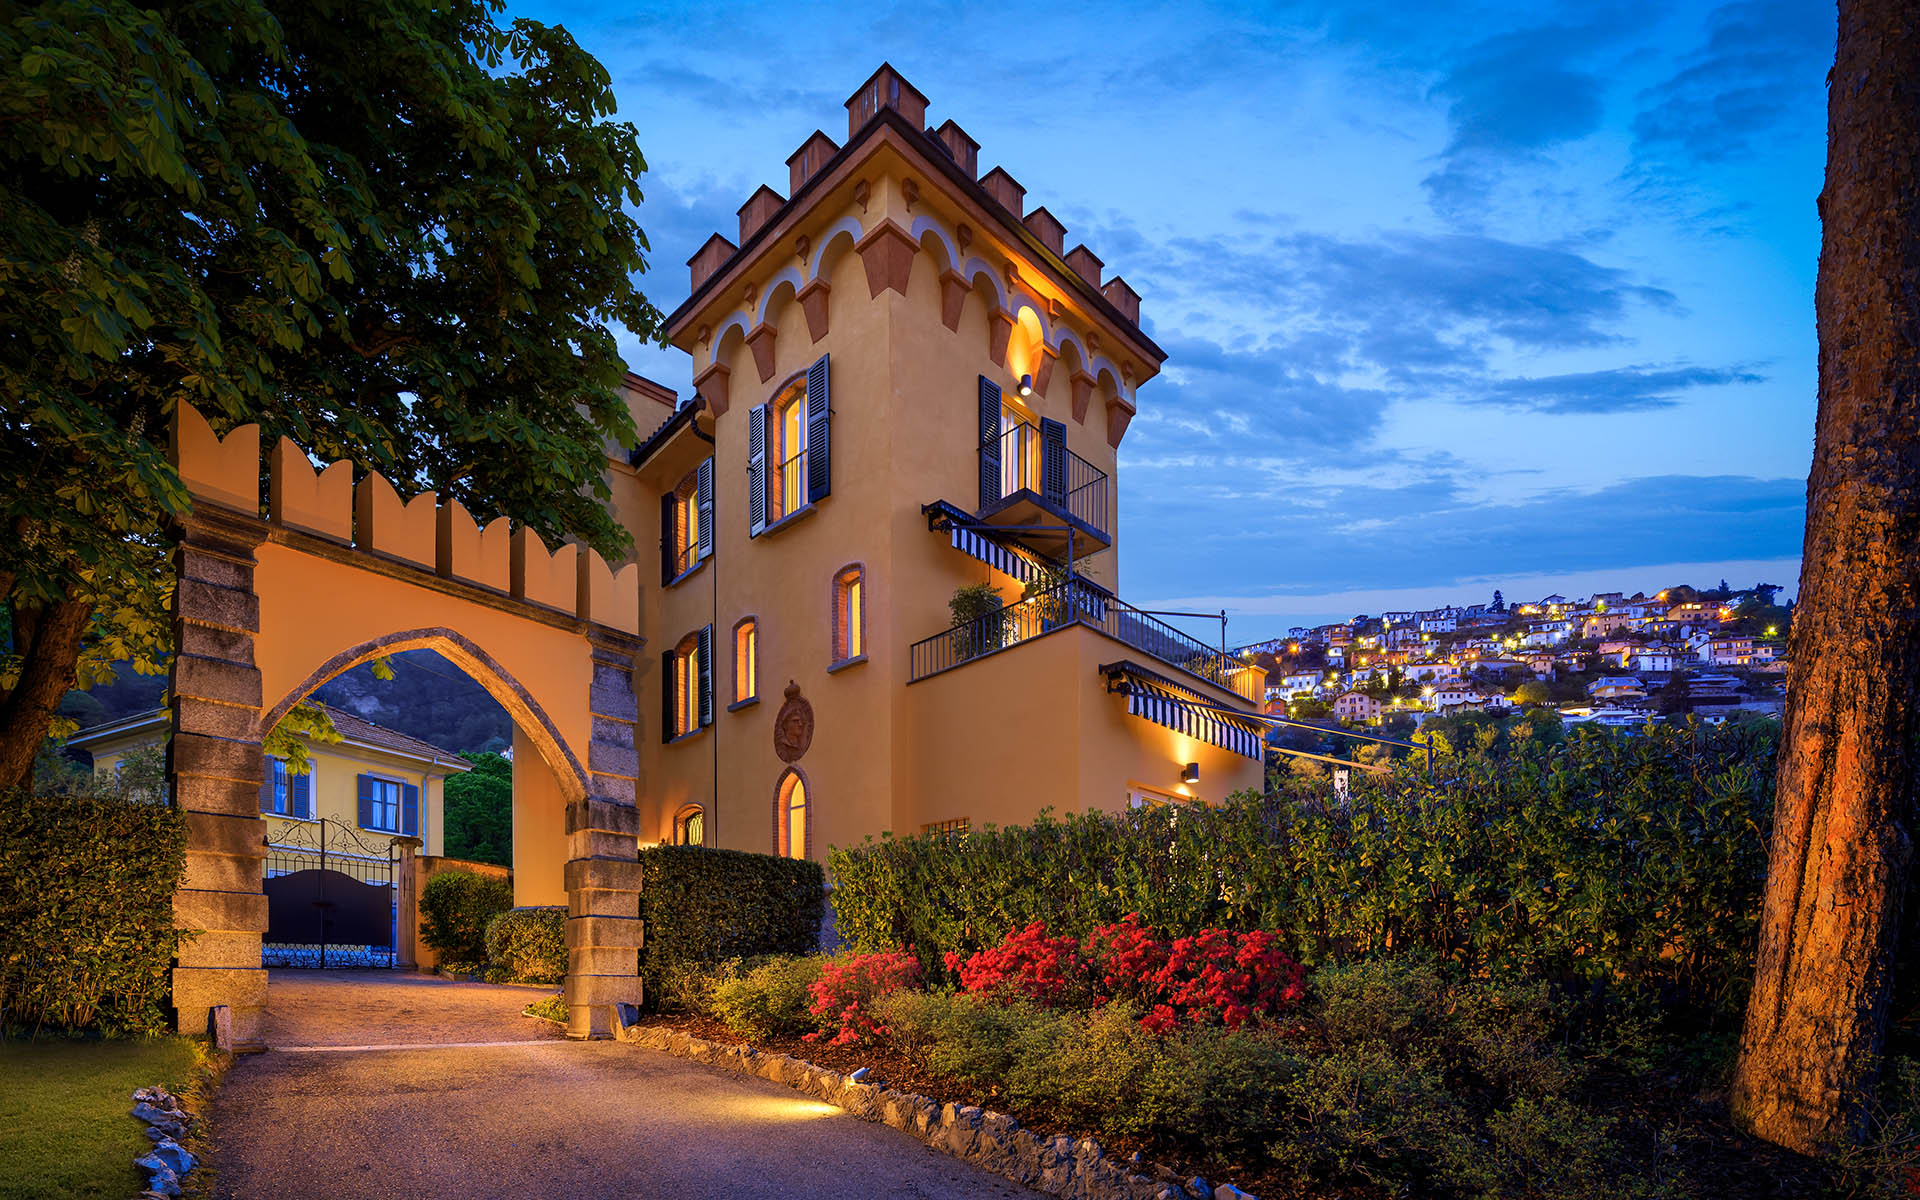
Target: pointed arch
[
  {"x": 480, "y": 666},
  {"x": 793, "y": 805}
]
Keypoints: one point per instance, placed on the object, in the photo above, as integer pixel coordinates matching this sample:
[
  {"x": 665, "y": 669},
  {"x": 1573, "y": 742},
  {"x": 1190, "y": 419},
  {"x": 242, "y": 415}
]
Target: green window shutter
[
  {"x": 267, "y": 795},
  {"x": 1053, "y": 462},
  {"x": 989, "y": 442},
  {"x": 819, "y": 432},
  {"x": 300, "y": 798},
  {"x": 706, "y": 674},
  {"x": 667, "y": 549},
  {"x": 666, "y": 697},
  {"x": 410, "y": 810},
  {"x": 363, "y": 786},
  {"x": 703, "y": 496},
  {"x": 756, "y": 470}
]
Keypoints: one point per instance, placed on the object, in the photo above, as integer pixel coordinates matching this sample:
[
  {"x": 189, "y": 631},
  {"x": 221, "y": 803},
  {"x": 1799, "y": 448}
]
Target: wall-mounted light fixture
[
  {"x": 1190, "y": 773},
  {"x": 1026, "y": 385}
]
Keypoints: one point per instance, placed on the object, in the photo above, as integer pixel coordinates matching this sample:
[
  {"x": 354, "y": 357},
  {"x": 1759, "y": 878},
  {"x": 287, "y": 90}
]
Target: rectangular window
[
  {"x": 383, "y": 804},
  {"x": 957, "y": 827}
]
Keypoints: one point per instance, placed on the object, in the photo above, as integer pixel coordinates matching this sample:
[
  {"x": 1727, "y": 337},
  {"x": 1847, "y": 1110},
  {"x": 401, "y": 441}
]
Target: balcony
[
  {"x": 1028, "y": 479},
  {"x": 1079, "y": 602}
]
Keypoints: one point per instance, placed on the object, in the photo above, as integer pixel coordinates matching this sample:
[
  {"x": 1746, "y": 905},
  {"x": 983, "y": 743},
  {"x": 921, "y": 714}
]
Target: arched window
[
  {"x": 746, "y": 661},
  {"x": 690, "y": 826},
  {"x": 849, "y": 614},
  {"x": 793, "y": 819},
  {"x": 687, "y": 679},
  {"x": 686, "y": 523}
]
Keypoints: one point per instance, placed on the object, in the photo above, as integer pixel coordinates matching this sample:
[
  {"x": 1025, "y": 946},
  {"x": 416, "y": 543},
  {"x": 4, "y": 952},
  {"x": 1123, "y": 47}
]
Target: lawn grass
[{"x": 65, "y": 1128}]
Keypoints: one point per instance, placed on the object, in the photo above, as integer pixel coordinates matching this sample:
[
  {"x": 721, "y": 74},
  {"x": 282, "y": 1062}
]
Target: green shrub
[
  {"x": 687, "y": 986},
  {"x": 551, "y": 1008},
  {"x": 766, "y": 998},
  {"x": 704, "y": 906},
  {"x": 87, "y": 937},
  {"x": 455, "y": 907},
  {"x": 1631, "y": 861},
  {"x": 1398, "y": 1073},
  {"x": 965, "y": 1037},
  {"x": 529, "y": 944}
]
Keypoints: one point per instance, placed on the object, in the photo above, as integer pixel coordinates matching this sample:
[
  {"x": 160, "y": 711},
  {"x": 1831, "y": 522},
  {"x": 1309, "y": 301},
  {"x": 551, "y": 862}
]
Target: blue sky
[{"x": 1454, "y": 296}]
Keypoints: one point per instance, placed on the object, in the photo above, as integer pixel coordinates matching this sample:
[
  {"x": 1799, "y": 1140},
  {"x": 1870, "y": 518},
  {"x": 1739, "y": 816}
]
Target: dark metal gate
[{"x": 330, "y": 897}]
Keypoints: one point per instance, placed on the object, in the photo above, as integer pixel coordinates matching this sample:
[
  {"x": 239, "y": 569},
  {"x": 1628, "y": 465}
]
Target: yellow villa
[
  {"x": 374, "y": 781},
  {"x": 905, "y": 384}
]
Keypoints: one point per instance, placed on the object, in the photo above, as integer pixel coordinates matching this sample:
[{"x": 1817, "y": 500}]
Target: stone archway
[{"x": 269, "y": 606}]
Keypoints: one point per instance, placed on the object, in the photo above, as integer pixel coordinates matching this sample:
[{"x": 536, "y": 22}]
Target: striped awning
[
  {"x": 1164, "y": 706},
  {"x": 992, "y": 553}
]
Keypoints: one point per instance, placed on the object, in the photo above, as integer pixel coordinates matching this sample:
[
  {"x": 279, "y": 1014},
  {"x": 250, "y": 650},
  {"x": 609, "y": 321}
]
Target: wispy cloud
[{"x": 1623, "y": 389}]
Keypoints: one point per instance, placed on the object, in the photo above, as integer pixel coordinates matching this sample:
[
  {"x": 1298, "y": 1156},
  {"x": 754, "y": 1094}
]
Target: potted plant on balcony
[{"x": 979, "y": 621}]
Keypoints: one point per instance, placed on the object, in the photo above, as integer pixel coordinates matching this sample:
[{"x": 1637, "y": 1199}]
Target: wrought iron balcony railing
[
  {"x": 1076, "y": 601},
  {"x": 1034, "y": 459}
]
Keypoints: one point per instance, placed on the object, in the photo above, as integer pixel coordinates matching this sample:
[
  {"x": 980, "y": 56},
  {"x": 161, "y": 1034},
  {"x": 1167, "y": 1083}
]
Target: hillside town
[{"x": 1609, "y": 659}]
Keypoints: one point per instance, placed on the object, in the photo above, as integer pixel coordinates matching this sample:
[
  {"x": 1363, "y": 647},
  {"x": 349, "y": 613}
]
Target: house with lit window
[
  {"x": 1358, "y": 708},
  {"x": 377, "y": 781},
  {"x": 905, "y": 384}
]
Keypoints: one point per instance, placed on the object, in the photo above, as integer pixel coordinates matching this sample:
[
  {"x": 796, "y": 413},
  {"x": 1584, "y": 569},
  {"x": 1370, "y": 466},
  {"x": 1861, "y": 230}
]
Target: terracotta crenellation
[
  {"x": 889, "y": 199},
  {"x": 758, "y": 210},
  {"x": 885, "y": 88},
  {"x": 803, "y": 164},
  {"x": 963, "y": 150}
]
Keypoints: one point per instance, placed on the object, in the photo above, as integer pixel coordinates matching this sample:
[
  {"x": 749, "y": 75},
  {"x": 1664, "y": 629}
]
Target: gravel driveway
[{"x": 382, "y": 1084}]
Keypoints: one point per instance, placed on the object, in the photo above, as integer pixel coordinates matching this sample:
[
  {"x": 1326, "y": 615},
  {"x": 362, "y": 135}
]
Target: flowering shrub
[
  {"x": 843, "y": 996},
  {"x": 1231, "y": 978},
  {"x": 1127, "y": 958},
  {"x": 1028, "y": 965},
  {"x": 1215, "y": 977}
]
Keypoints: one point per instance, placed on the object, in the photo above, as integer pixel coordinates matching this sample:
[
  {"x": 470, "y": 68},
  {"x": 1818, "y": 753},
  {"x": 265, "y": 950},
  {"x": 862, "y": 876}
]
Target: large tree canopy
[{"x": 397, "y": 232}]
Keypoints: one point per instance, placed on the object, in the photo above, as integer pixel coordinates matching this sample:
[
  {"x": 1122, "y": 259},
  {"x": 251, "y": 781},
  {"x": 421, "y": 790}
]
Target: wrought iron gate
[{"x": 330, "y": 897}]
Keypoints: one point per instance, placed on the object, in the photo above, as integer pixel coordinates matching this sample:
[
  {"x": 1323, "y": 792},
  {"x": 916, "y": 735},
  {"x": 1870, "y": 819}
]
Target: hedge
[
  {"x": 86, "y": 911},
  {"x": 1637, "y": 860},
  {"x": 703, "y": 905},
  {"x": 455, "y": 907},
  {"x": 529, "y": 943}
]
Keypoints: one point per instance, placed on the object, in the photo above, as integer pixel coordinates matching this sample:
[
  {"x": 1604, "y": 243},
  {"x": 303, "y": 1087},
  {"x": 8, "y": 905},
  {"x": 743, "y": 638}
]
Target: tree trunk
[
  {"x": 48, "y": 641},
  {"x": 1842, "y": 851}
]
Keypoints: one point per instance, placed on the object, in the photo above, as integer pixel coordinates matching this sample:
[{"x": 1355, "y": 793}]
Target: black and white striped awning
[
  {"x": 1164, "y": 706},
  {"x": 992, "y": 553}
]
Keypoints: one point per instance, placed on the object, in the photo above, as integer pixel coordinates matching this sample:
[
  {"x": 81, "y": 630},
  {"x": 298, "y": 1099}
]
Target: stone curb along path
[
  {"x": 1075, "y": 1169},
  {"x": 167, "y": 1121}
]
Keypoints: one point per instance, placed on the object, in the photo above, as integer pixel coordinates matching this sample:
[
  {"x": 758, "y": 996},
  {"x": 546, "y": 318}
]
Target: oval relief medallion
[{"x": 793, "y": 727}]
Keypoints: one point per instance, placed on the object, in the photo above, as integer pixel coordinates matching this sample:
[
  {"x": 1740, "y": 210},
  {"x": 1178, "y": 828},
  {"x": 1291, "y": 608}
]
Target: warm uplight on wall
[
  {"x": 1191, "y": 773},
  {"x": 1026, "y": 385}
]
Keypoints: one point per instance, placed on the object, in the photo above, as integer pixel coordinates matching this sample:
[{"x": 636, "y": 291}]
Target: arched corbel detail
[
  {"x": 887, "y": 252},
  {"x": 813, "y": 302},
  {"x": 761, "y": 341},
  {"x": 1082, "y": 382},
  {"x": 711, "y": 385}
]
